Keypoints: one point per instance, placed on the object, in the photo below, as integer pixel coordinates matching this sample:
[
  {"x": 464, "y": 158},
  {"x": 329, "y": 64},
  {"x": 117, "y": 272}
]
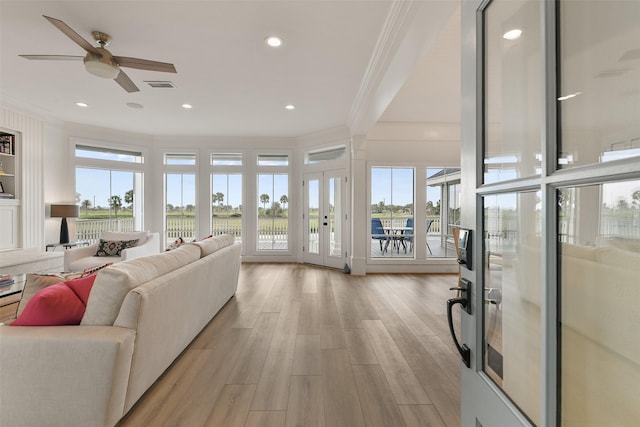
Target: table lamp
[{"x": 64, "y": 212}]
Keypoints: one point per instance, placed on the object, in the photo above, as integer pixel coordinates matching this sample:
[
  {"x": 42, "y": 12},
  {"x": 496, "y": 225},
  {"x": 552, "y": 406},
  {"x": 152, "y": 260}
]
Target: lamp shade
[{"x": 65, "y": 211}]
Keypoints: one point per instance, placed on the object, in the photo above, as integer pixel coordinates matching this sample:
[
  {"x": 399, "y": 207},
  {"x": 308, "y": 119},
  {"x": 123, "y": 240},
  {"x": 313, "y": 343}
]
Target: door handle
[{"x": 465, "y": 302}]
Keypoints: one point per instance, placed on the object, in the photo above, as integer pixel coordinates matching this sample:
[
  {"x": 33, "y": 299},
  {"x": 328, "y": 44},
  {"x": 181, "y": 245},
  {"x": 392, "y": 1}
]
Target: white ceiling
[{"x": 236, "y": 84}]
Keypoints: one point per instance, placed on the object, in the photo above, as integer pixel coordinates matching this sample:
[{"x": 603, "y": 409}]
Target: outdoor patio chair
[
  {"x": 409, "y": 234},
  {"x": 429, "y": 222},
  {"x": 377, "y": 232}
]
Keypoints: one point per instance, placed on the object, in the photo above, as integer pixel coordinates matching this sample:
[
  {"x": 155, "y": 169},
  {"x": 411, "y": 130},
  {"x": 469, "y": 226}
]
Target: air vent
[
  {"x": 160, "y": 84},
  {"x": 616, "y": 72}
]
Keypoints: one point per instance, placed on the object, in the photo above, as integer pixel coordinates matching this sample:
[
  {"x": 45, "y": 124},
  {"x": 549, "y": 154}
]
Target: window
[
  {"x": 180, "y": 159},
  {"x": 180, "y": 207},
  {"x": 226, "y": 194},
  {"x": 226, "y": 159},
  {"x": 327, "y": 155},
  {"x": 273, "y": 219},
  {"x": 273, "y": 160},
  {"x": 109, "y": 185},
  {"x": 443, "y": 189},
  {"x": 100, "y": 153},
  {"x": 392, "y": 215},
  {"x": 273, "y": 202}
]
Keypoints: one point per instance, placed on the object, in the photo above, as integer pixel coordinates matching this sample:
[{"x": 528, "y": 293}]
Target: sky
[{"x": 391, "y": 185}]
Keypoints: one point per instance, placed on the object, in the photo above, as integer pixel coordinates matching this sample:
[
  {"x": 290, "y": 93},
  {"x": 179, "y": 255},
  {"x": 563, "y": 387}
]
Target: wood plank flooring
[{"x": 306, "y": 346}]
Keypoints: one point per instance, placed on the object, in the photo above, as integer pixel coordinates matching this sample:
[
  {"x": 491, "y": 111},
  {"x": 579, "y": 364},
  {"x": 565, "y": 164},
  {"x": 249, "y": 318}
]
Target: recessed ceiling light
[
  {"x": 273, "y": 41},
  {"x": 512, "y": 34},
  {"x": 290, "y": 107},
  {"x": 134, "y": 105},
  {"x": 82, "y": 104},
  {"x": 187, "y": 106}
]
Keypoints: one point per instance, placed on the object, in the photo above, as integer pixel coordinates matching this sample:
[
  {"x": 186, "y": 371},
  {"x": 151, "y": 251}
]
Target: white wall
[
  {"x": 50, "y": 166},
  {"x": 59, "y": 164}
]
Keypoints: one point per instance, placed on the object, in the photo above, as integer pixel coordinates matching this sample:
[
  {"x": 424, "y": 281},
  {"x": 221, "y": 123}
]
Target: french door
[
  {"x": 551, "y": 192},
  {"x": 324, "y": 218}
]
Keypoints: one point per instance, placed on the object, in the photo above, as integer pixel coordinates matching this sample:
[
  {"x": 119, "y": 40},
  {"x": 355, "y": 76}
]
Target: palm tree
[
  {"x": 115, "y": 203},
  {"x": 264, "y": 199},
  {"x": 86, "y": 204},
  {"x": 220, "y": 197},
  {"x": 128, "y": 198},
  {"x": 283, "y": 201}
]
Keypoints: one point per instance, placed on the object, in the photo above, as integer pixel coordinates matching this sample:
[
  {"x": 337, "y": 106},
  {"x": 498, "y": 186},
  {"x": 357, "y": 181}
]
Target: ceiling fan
[{"x": 99, "y": 61}]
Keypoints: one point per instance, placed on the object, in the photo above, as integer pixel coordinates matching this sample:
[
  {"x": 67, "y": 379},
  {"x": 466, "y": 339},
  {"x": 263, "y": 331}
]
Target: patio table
[{"x": 397, "y": 235}]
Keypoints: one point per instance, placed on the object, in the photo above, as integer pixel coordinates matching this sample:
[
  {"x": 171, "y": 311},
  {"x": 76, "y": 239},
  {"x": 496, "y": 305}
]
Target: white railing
[
  {"x": 90, "y": 230},
  {"x": 435, "y": 228}
]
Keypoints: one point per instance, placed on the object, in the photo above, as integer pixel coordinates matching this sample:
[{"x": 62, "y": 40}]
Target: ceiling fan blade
[
  {"x": 54, "y": 57},
  {"x": 68, "y": 31},
  {"x": 144, "y": 64},
  {"x": 126, "y": 83}
]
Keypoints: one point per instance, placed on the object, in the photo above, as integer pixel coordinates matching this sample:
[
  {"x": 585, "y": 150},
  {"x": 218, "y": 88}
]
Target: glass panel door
[
  {"x": 336, "y": 215},
  {"x": 312, "y": 197},
  {"x": 324, "y": 218}
]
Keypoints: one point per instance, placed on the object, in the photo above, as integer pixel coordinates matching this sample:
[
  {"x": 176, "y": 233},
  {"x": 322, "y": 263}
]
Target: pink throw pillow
[{"x": 61, "y": 304}]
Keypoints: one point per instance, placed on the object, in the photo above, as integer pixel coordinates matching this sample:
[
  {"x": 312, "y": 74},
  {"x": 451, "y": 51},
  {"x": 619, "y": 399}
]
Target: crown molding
[
  {"x": 410, "y": 29},
  {"x": 383, "y": 53}
]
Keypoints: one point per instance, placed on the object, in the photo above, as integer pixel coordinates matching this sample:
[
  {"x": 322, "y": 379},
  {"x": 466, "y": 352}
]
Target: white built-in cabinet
[{"x": 9, "y": 188}]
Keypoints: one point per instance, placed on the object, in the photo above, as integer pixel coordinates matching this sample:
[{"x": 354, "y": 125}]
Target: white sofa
[
  {"x": 140, "y": 316},
  {"x": 78, "y": 259}
]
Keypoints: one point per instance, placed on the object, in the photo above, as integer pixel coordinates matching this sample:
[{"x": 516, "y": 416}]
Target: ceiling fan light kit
[{"x": 101, "y": 66}]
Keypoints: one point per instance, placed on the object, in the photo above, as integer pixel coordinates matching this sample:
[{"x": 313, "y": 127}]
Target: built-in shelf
[{"x": 9, "y": 189}]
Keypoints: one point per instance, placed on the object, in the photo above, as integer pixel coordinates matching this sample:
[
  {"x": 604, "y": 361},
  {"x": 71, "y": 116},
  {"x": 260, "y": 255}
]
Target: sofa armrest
[
  {"x": 64, "y": 375},
  {"x": 74, "y": 254},
  {"x": 150, "y": 247}
]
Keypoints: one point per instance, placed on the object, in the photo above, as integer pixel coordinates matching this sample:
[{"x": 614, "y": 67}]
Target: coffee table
[{"x": 10, "y": 297}]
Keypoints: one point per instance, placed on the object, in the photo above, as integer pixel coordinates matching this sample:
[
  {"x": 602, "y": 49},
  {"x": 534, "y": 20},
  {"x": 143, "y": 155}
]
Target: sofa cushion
[
  {"x": 87, "y": 263},
  {"x": 213, "y": 244},
  {"x": 114, "y": 282},
  {"x": 37, "y": 282},
  {"x": 114, "y": 247},
  {"x": 60, "y": 304},
  {"x": 141, "y": 236}
]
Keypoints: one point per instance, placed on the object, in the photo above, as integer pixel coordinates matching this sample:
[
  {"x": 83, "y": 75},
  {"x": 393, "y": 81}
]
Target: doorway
[{"x": 324, "y": 218}]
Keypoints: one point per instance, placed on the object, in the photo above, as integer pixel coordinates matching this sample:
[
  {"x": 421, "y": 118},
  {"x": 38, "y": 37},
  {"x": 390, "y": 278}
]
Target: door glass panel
[
  {"x": 513, "y": 90},
  {"x": 599, "y": 262},
  {"x": 512, "y": 263},
  {"x": 335, "y": 216},
  {"x": 599, "y": 86},
  {"x": 314, "y": 212}
]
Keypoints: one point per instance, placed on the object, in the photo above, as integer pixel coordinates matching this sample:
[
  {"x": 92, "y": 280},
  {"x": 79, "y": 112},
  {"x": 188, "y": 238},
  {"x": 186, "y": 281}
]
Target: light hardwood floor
[{"x": 306, "y": 346}]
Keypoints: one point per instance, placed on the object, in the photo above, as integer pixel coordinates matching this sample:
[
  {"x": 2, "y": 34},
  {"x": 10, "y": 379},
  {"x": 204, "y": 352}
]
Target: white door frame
[{"x": 320, "y": 252}]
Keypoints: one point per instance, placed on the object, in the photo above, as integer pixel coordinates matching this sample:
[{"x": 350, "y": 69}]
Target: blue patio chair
[
  {"x": 429, "y": 222},
  {"x": 377, "y": 232},
  {"x": 409, "y": 234}
]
